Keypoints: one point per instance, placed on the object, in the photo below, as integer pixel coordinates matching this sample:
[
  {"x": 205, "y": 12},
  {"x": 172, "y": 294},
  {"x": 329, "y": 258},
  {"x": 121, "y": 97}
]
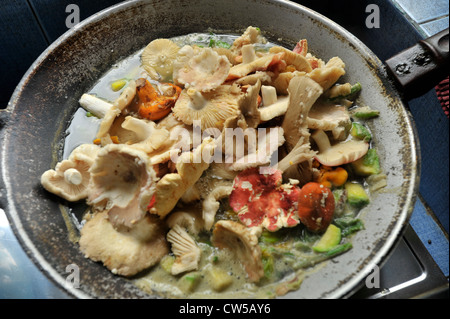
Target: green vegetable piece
[
  {"x": 167, "y": 262},
  {"x": 270, "y": 237},
  {"x": 268, "y": 263},
  {"x": 118, "y": 85},
  {"x": 330, "y": 239},
  {"x": 189, "y": 281},
  {"x": 365, "y": 113},
  {"x": 356, "y": 195},
  {"x": 356, "y": 88},
  {"x": 348, "y": 225},
  {"x": 339, "y": 249},
  {"x": 360, "y": 131},
  {"x": 368, "y": 165},
  {"x": 219, "y": 279}
]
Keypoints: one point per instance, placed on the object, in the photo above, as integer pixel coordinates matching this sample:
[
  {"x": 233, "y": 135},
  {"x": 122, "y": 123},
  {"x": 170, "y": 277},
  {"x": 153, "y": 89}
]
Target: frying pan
[{"x": 33, "y": 127}]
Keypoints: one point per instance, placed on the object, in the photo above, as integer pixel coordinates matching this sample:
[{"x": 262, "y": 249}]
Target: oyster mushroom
[
  {"x": 70, "y": 178},
  {"x": 262, "y": 200},
  {"x": 243, "y": 243},
  {"x": 211, "y": 108},
  {"x": 123, "y": 182},
  {"x": 202, "y": 69},
  {"x": 339, "y": 153},
  {"x": 126, "y": 252},
  {"x": 185, "y": 249},
  {"x": 190, "y": 218},
  {"x": 158, "y": 57}
]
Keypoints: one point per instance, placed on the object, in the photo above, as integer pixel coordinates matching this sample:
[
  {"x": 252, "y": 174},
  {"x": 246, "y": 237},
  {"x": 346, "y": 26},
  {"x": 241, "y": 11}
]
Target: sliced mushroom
[
  {"x": 171, "y": 187},
  {"x": 327, "y": 75},
  {"x": 264, "y": 63},
  {"x": 125, "y": 98},
  {"x": 70, "y": 178},
  {"x": 274, "y": 110},
  {"x": 292, "y": 58},
  {"x": 211, "y": 108},
  {"x": 123, "y": 182},
  {"x": 126, "y": 252},
  {"x": 330, "y": 117},
  {"x": 303, "y": 93},
  {"x": 185, "y": 249},
  {"x": 339, "y": 153},
  {"x": 202, "y": 69},
  {"x": 243, "y": 243},
  {"x": 251, "y": 35},
  {"x": 158, "y": 57},
  {"x": 249, "y": 105}
]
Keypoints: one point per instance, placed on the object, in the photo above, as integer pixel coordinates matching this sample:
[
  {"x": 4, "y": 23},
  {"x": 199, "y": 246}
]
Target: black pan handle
[{"x": 421, "y": 67}]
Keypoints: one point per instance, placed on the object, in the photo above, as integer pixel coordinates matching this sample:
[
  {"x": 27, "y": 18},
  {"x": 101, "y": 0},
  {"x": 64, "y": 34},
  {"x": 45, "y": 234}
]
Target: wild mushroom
[
  {"x": 95, "y": 105},
  {"x": 125, "y": 98},
  {"x": 268, "y": 62},
  {"x": 292, "y": 58},
  {"x": 153, "y": 105},
  {"x": 211, "y": 204},
  {"x": 189, "y": 217},
  {"x": 261, "y": 199},
  {"x": 126, "y": 252},
  {"x": 123, "y": 182},
  {"x": 330, "y": 117},
  {"x": 211, "y": 108},
  {"x": 251, "y": 35},
  {"x": 158, "y": 57},
  {"x": 202, "y": 69},
  {"x": 243, "y": 243},
  {"x": 185, "y": 249},
  {"x": 340, "y": 153},
  {"x": 327, "y": 75},
  {"x": 171, "y": 187},
  {"x": 303, "y": 93},
  {"x": 316, "y": 205},
  {"x": 70, "y": 178}
]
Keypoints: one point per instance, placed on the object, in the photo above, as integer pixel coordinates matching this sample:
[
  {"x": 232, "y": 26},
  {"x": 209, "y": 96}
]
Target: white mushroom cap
[
  {"x": 122, "y": 181},
  {"x": 70, "y": 178},
  {"x": 125, "y": 252},
  {"x": 201, "y": 68}
]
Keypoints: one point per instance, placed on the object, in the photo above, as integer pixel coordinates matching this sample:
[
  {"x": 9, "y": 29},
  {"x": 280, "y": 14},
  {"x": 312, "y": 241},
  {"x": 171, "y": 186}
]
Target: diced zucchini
[
  {"x": 330, "y": 239},
  {"x": 360, "y": 132},
  {"x": 369, "y": 164},
  {"x": 189, "y": 281},
  {"x": 219, "y": 279},
  {"x": 356, "y": 195},
  {"x": 167, "y": 262}
]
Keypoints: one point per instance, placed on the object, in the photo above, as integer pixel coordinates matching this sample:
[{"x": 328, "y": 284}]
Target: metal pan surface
[{"x": 33, "y": 126}]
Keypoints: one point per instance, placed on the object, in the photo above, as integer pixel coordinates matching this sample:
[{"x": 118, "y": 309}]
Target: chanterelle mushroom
[
  {"x": 124, "y": 252},
  {"x": 202, "y": 69},
  {"x": 70, "y": 178},
  {"x": 185, "y": 249},
  {"x": 339, "y": 153},
  {"x": 123, "y": 182},
  {"x": 243, "y": 243}
]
